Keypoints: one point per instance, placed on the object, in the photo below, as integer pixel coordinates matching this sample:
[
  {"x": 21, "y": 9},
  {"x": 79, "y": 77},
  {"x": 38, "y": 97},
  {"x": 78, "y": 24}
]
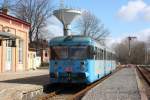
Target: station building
[{"x": 14, "y": 41}]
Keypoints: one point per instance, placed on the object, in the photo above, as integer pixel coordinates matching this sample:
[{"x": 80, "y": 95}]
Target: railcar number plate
[{"x": 68, "y": 69}]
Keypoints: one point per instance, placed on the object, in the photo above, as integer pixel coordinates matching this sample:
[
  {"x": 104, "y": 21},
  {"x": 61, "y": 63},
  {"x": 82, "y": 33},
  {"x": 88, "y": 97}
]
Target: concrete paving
[
  {"x": 22, "y": 85},
  {"x": 120, "y": 86}
]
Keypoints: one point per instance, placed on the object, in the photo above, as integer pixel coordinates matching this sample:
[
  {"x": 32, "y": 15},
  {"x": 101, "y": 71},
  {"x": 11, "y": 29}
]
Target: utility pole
[{"x": 129, "y": 53}]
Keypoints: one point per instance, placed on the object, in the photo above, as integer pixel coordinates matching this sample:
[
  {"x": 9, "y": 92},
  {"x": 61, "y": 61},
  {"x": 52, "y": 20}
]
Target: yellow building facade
[{"x": 13, "y": 44}]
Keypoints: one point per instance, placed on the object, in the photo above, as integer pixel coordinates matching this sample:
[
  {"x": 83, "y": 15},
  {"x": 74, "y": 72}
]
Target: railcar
[{"x": 79, "y": 59}]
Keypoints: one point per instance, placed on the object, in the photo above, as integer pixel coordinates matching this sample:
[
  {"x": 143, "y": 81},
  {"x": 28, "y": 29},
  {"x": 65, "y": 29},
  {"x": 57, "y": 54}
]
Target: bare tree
[
  {"x": 35, "y": 12},
  {"x": 121, "y": 50},
  {"x": 147, "y": 51},
  {"x": 90, "y": 25},
  {"x": 5, "y": 4},
  {"x": 137, "y": 52}
]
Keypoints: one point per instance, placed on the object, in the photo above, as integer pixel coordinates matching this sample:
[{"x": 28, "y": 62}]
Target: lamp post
[
  {"x": 129, "y": 45},
  {"x": 5, "y": 35}
]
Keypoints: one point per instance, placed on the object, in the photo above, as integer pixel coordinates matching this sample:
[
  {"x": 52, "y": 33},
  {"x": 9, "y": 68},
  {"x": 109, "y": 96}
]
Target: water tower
[{"x": 66, "y": 16}]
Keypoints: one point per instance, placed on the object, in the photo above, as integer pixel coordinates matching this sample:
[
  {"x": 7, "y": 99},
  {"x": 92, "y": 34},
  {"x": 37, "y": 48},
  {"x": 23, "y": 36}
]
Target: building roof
[{"x": 14, "y": 19}]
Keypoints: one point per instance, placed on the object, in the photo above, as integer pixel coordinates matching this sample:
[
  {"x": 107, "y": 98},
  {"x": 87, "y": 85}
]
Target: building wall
[
  {"x": 20, "y": 30},
  {"x": 34, "y": 61}
]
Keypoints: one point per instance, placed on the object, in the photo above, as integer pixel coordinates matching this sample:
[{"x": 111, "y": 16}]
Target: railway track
[
  {"x": 145, "y": 72},
  {"x": 145, "y": 75},
  {"x": 73, "y": 92},
  {"x": 63, "y": 92}
]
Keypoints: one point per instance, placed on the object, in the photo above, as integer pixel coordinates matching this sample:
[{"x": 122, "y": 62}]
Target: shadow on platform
[{"x": 35, "y": 80}]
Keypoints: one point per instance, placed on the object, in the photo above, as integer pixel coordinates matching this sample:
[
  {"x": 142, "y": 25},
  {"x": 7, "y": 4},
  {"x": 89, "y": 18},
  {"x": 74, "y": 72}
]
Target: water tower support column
[{"x": 66, "y": 30}]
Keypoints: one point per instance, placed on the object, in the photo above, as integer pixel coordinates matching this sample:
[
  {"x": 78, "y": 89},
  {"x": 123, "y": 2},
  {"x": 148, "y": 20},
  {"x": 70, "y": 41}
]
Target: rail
[{"x": 145, "y": 72}]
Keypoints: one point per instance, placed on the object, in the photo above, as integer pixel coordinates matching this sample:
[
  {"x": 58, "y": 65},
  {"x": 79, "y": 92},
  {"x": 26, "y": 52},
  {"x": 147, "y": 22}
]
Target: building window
[
  {"x": 8, "y": 43},
  {"x": 20, "y": 51},
  {"x": 46, "y": 54}
]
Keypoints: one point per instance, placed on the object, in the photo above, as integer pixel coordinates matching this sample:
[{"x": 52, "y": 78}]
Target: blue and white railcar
[{"x": 79, "y": 59}]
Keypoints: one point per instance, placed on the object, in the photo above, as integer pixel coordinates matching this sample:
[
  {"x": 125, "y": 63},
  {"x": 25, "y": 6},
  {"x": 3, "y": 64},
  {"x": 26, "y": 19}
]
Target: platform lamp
[
  {"x": 1, "y": 36},
  {"x": 7, "y": 36}
]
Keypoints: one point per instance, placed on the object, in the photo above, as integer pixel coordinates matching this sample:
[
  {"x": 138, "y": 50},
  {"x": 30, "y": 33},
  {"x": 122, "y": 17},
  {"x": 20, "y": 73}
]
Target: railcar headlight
[
  {"x": 55, "y": 63},
  {"x": 82, "y": 66},
  {"x": 52, "y": 75},
  {"x": 82, "y": 63},
  {"x": 55, "y": 66}
]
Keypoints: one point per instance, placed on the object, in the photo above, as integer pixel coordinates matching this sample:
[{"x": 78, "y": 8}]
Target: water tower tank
[{"x": 66, "y": 16}]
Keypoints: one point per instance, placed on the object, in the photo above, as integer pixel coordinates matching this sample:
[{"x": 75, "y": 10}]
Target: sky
[{"x": 123, "y": 18}]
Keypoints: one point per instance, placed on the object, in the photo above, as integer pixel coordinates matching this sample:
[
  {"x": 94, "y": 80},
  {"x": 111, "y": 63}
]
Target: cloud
[
  {"x": 111, "y": 41},
  {"x": 143, "y": 35},
  {"x": 135, "y": 9},
  {"x": 147, "y": 14}
]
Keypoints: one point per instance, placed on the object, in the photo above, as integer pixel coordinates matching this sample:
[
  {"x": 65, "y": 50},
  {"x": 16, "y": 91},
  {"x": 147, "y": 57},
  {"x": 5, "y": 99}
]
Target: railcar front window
[
  {"x": 59, "y": 52},
  {"x": 78, "y": 52}
]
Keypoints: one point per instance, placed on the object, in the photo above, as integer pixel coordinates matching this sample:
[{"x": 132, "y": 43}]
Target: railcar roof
[{"x": 71, "y": 38}]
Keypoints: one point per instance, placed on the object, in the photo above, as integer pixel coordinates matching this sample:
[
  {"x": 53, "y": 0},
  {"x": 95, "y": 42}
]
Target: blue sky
[{"x": 121, "y": 17}]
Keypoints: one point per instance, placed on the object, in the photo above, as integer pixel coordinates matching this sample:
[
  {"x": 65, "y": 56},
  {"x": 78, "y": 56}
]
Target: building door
[{"x": 8, "y": 66}]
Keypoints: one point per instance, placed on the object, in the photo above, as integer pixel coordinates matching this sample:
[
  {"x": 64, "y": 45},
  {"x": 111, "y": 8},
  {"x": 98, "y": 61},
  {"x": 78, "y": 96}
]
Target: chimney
[{"x": 4, "y": 11}]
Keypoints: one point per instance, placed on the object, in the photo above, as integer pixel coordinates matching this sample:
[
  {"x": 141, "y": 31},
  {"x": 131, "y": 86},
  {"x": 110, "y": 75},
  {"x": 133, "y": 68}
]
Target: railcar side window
[
  {"x": 109, "y": 56},
  {"x": 97, "y": 56},
  {"x": 101, "y": 54},
  {"x": 113, "y": 57},
  {"x": 105, "y": 55},
  {"x": 92, "y": 52}
]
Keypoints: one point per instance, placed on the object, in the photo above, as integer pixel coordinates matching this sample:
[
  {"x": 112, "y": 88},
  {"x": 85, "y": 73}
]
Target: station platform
[
  {"x": 122, "y": 85},
  {"x": 22, "y": 85}
]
